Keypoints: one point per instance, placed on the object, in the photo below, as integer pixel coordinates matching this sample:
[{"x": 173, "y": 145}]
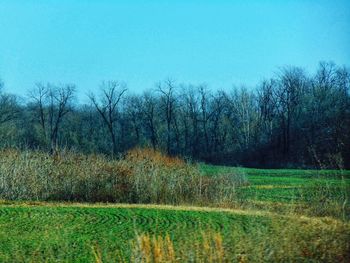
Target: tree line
[{"x": 293, "y": 119}]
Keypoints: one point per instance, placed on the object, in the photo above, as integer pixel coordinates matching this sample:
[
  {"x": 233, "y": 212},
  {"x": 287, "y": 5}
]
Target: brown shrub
[{"x": 142, "y": 176}]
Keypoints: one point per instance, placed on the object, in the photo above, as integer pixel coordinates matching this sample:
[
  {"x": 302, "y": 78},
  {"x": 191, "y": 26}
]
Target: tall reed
[{"x": 141, "y": 176}]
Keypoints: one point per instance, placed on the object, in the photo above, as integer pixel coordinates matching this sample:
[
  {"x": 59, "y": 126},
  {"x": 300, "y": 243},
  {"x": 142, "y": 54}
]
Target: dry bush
[
  {"x": 158, "y": 178},
  {"x": 31, "y": 175},
  {"x": 142, "y": 176}
]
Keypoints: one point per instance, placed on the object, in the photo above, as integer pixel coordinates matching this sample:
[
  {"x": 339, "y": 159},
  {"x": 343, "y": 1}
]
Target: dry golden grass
[{"x": 141, "y": 176}]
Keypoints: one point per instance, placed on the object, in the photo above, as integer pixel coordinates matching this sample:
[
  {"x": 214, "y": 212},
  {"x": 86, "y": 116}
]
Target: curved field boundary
[{"x": 245, "y": 212}]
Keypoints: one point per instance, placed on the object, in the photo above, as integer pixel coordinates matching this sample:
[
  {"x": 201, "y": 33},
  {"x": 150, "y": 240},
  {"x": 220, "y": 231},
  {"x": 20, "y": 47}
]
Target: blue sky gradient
[{"x": 220, "y": 43}]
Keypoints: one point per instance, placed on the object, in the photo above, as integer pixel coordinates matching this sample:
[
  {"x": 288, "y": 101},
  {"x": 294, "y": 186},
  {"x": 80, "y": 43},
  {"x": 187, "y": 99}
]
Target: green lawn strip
[
  {"x": 292, "y": 188},
  {"x": 284, "y": 186},
  {"x": 296, "y": 181},
  {"x": 70, "y": 233},
  {"x": 215, "y": 169}
]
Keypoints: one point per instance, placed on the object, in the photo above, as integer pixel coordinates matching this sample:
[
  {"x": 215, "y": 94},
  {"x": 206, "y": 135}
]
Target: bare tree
[
  {"x": 52, "y": 104},
  {"x": 292, "y": 82},
  {"x": 60, "y": 99},
  {"x": 193, "y": 111},
  {"x": 9, "y": 108},
  {"x": 107, "y": 107},
  {"x": 329, "y": 110},
  {"x": 218, "y": 129},
  {"x": 149, "y": 106},
  {"x": 243, "y": 111},
  {"x": 185, "y": 116},
  {"x": 168, "y": 100},
  {"x": 134, "y": 114},
  {"x": 39, "y": 96},
  {"x": 206, "y": 115}
]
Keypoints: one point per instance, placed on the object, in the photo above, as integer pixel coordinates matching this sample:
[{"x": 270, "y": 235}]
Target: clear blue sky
[{"x": 220, "y": 43}]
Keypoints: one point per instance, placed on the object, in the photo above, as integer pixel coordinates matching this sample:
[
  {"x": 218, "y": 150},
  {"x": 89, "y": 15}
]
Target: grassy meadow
[
  {"x": 312, "y": 192},
  {"x": 146, "y": 207}
]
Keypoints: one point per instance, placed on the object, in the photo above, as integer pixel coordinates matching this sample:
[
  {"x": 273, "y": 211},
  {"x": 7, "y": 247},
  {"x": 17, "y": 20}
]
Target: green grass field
[
  {"x": 214, "y": 169},
  {"x": 289, "y": 185},
  {"x": 72, "y": 233},
  {"x": 69, "y": 233},
  {"x": 64, "y": 232}
]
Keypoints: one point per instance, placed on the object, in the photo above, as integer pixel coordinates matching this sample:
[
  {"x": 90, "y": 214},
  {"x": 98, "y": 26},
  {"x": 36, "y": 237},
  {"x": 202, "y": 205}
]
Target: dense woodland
[{"x": 294, "y": 119}]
